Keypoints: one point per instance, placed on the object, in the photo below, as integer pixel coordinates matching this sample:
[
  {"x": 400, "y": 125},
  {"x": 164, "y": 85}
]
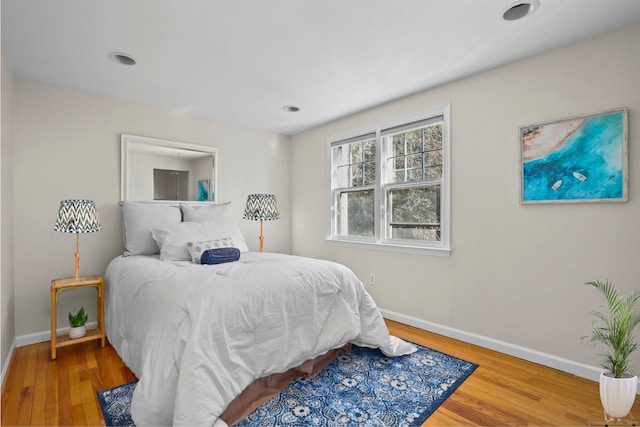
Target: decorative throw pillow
[
  {"x": 220, "y": 255},
  {"x": 196, "y": 249},
  {"x": 206, "y": 213},
  {"x": 172, "y": 239},
  {"x": 138, "y": 217}
]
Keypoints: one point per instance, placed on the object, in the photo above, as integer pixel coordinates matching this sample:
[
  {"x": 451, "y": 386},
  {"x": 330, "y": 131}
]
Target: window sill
[{"x": 421, "y": 250}]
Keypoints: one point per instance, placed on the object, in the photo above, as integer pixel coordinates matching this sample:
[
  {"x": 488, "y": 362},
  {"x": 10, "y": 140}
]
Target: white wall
[
  {"x": 516, "y": 272},
  {"x": 67, "y": 145},
  {"x": 6, "y": 211}
]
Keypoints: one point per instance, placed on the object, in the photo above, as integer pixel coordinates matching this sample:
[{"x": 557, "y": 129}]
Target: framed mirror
[{"x": 154, "y": 169}]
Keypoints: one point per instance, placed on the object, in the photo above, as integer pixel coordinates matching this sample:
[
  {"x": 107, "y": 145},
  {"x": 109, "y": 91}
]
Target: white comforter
[{"x": 197, "y": 335}]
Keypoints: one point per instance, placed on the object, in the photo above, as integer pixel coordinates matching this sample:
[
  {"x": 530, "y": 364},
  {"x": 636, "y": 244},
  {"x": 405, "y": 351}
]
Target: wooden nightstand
[{"x": 92, "y": 333}]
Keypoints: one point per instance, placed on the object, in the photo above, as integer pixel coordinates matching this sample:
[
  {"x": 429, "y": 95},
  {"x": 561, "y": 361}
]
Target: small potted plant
[
  {"x": 77, "y": 323},
  {"x": 614, "y": 328}
]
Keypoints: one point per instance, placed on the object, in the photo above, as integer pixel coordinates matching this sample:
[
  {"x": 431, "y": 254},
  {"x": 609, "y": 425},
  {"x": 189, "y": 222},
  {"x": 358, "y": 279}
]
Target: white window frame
[{"x": 379, "y": 241}]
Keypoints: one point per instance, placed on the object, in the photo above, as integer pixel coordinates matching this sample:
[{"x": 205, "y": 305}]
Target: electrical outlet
[{"x": 372, "y": 279}]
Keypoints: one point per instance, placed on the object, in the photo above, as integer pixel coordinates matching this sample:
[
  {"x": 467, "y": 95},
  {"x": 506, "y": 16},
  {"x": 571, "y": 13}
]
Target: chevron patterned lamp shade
[
  {"x": 261, "y": 207},
  {"x": 77, "y": 216}
]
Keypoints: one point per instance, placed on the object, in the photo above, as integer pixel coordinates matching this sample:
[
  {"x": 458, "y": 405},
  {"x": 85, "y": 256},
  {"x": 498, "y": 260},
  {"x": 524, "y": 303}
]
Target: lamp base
[
  {"x": 261, "y": 237},
  {"x": 77, "y": 265},
  {"x": 77, "y": 254}
]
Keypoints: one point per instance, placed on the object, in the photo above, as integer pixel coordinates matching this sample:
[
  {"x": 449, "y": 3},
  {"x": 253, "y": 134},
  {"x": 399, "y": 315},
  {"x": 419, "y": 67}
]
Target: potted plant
[
  {"x": 614, "y": 328},
  {"x": 77, "y": 322}
]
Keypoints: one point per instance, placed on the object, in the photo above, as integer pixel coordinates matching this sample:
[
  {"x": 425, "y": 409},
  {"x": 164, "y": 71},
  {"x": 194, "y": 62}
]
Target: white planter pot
[
  {"x": 617, "y": 394},
  {"x": 78, "y": 332}
]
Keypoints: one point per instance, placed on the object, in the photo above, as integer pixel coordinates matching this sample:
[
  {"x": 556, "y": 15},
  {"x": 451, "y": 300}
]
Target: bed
[{"x": 196, "y": 336}]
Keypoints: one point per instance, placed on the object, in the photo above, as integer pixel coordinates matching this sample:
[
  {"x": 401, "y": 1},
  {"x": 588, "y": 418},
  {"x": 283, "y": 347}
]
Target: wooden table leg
[
  {"x": 54, "y": 301},
  {"x": 101, "y": 312}
]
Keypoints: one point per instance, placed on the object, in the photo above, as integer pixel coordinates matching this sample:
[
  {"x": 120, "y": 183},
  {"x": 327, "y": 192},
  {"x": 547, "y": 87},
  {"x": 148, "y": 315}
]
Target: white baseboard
[
  {"x": 7, "y": 362},
  {"x": 43, "y": 336},
  {"x": 582, "y": 370}
]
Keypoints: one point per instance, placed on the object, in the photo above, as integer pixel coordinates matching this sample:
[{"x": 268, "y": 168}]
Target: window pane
[
  {"x": 355, "y": 213},
  {"x": 356, "y": 152},
  {"x": 417, "y": 151},
  {"x": 414, "y": 141},
  {"x": 370, "y": 173},
  {"x": 414, "y": 213},
  {"x": 414, "y": 161},
  {"x": 340, "y": 155},
  {"x": 434, "y": 172},
  {"x": 396, "y": 169},
  {"x": 433, "y": 137},
  {"x": 370, "y": 150},
  {"x": 397, "y": 176},
  {"x": 342, "y": 176},
  {"x": 398, "y": 163},
  {"x": 356, "y": 175},
  {"x": 433, "y": 164},
  {"x": 397, "y": 144},
  {"x": 414, "y": 175},
  {"x": 355, "y": 163}
]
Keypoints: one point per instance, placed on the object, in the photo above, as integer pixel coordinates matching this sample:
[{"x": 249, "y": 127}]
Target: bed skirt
[{"x": 265, "y": 388}]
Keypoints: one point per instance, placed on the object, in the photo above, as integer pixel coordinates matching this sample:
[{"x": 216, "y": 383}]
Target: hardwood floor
[
  {"x": 502, "y": 391},
  {"x": 41, "y": 391},
  {"x": 505, "y": 390}
]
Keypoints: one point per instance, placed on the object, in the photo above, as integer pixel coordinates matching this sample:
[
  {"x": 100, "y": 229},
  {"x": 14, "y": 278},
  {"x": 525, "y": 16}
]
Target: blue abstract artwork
[
  {"x": 203, "y": 190},
  {"x": 582, "y": 159}
]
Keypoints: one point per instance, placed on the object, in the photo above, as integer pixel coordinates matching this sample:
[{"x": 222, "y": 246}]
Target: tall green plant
[{"x": 614, "y": 328}]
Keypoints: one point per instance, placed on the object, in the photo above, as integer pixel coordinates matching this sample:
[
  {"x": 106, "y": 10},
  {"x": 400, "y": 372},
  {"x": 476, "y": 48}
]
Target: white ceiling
[{"x": 240, "y": 61}]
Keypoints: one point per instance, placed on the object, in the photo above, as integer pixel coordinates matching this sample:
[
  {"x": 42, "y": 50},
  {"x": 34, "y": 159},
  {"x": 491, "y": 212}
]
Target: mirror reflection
[
  {"x": 156, "y": 169},
  {"x": 170, "y": 184}
]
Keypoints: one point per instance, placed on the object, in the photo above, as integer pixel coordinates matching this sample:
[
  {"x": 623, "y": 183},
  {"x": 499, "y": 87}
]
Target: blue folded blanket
[{"x": 220, "y": 255}]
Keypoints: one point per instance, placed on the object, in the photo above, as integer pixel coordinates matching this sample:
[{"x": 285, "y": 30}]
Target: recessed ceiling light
[
  {"x": 122, "y": 58},
  {"x": 291, "y": 108},
  {"x": 519, "y": 10}
]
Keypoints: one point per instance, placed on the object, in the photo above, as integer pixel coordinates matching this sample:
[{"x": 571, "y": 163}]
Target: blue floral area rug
[
  {"x": 116, "y": 404},
  {"x": 361, "y": 388}
]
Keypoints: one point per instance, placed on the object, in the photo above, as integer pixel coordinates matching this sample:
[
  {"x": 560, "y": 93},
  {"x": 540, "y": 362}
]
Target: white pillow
[
  {"x": 196, "y": 249},
  {"x": 173, "y": 238},
  {"x": 206, "y": 213},
  {"x": 138, "y": 217}
]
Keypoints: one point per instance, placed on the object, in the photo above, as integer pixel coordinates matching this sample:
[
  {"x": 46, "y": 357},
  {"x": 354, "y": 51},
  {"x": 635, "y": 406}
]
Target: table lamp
[
  {"x": 77, "y": 216},
  {"x": 262, "y": 207}
]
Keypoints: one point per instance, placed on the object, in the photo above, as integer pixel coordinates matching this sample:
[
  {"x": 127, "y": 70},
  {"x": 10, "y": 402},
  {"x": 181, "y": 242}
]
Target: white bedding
[{"x": 197, "y": 335}]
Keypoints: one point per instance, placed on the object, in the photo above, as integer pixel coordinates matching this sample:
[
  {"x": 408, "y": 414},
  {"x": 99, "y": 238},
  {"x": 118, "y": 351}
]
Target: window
[
  {"x": 355, "y": 179},
  {"x": 390, "y": 185}
]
